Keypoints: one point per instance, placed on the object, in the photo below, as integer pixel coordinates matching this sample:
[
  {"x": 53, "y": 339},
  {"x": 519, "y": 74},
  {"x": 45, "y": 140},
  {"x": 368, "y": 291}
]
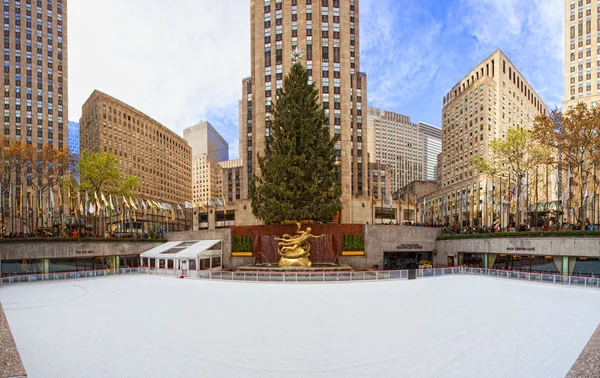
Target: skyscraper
[
  {"x": 327, "y": 31},
  {"x": 35, "y": 72},
  {"x": 203, "y": 138},
  {"x": 433, "y": 147},
  {"x": 208, "y": 149},
  {"x": 482, "y": 106},
  {"x": 582, "y": 52},
  {"x": 408, "y": 149},
  {"x": 74, "y": 138},
  {"x": 35, "y": 90}
]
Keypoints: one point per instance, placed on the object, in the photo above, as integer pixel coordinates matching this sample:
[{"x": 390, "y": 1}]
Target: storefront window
[
  {"x": 474, "y": 260},
  {"x": 584, "y": 266},
  {"x": 14, "y": 267},
  {"x": 216, "y": 262},
  {"x": 524, "y": 263}
]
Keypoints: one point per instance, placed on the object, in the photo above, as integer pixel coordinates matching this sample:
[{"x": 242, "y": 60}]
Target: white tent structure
[{"x": 185, "y": 255}]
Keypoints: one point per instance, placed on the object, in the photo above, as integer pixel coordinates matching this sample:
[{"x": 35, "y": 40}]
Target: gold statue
[{"x": 295, "y": 250}]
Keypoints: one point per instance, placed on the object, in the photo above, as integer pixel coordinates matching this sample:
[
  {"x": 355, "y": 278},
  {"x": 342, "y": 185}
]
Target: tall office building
[
  {"x": 484, "y": 104},
  {"x": 74, "y": 138},
  {"x": 204, "y": 139},
  {"x": 35, "y": 72},
  {"x": 432, "y": 145},
  {"x": 328, "y": 33},
  {"x": 35, "y": 88},
  {"x": 408, "y": 149},
  {"x": 582, "y": 53},
  {"x": 160, "y": 158}
]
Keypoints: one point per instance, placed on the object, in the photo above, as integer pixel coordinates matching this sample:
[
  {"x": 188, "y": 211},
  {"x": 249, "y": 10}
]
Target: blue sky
[{"x": 413, "y": 52}]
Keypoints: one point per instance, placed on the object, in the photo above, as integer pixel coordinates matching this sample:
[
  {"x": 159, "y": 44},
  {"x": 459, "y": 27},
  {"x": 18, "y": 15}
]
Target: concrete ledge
[
  {"x": 10, "y": 359},
  {"x": 588, "y": 362}
]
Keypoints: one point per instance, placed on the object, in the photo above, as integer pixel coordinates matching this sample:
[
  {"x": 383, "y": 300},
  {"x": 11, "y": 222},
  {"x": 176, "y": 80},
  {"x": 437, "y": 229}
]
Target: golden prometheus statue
[{"x": 294, "y": 251}]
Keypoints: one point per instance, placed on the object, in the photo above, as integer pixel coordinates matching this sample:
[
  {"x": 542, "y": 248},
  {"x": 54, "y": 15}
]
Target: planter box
[{"x": 353, "y": 253}]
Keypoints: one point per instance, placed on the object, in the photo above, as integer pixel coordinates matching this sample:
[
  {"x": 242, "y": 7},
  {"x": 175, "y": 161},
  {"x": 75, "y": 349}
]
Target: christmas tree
[{"x": 300, "y": 179}]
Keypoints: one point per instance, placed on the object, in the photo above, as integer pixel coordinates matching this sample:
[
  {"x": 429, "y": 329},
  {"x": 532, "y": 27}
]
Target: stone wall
[
  {"x": 62, "y": 249},
  {"x": 545, "y": 246},
  {"x": 391, "y": 238}
]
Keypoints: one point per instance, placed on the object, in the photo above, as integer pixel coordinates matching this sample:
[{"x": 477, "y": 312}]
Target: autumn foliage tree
[
  {"x": 575, "y": 137},
  {"x": 515, "y": 156}
]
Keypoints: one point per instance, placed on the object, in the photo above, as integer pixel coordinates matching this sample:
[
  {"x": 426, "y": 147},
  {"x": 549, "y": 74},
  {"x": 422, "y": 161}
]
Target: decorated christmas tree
[{"x": 299, "y": 178}]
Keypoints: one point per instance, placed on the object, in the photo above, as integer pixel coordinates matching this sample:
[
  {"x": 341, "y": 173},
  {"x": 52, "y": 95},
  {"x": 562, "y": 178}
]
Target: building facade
[
  {"x": 491, "y": 99},
  {"x": 146, "y": 149},
  {"x": 409, "y": 150},
  {"x": 74, "y": 138},
  {"x": 328, "y": 34},
  {"x": 432, "y": 145},
  {"x": 36, "y": 72},
  {"x": 203, "y": 138},
  {"x": 582, "y": 53},
  {"x": 207, "y": 177},
  {"x": 35, "y": 98}
]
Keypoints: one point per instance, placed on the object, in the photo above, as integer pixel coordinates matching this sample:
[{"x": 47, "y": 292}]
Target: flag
[
  {"x": 91, "y": 209},
  {"x": 144, "y": 206},
  {"x": 10, "y": 197},
  {"x": 132, "y": 203},
  {"x": 179, "y": 208},
  {"x": 111, "y": 202},
  {"x": 188, "y": 205},
  {"x": 60, "y": 199},
  {"x": 173, "y": 213},
  {"x": 51, "y": 194},
  {"x": 104, "y": 201},
  {"x": 117, "y": 204},
  {"x": 21, "y": 201},
  {"x": 585, "y": 195},
  {"x": 87, "y": 200},
  {"x": 125, "y": 202}
]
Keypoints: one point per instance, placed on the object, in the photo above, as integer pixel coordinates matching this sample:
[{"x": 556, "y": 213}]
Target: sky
[{"x": 188, "y": 65}]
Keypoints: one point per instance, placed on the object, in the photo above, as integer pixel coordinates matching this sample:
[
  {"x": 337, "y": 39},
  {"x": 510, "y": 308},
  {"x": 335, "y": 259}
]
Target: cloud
[
  {"x": 529, "y": 32},
  {"x": 175, "y": 63},
  {"x": 400, "y": 50}
]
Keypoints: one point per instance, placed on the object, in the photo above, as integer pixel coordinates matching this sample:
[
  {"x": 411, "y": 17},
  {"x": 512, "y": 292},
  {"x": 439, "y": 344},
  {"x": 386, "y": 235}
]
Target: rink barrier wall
[
  {"x": 64, "y": 276},
  {"x": 292, "y": 277}
]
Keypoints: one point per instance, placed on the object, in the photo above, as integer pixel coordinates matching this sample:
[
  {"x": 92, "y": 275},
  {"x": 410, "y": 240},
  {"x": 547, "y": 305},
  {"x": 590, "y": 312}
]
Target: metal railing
[
  {"x": 544, "y": 278},
  {"x": 323, "y": 276},
  {"x": 62, "y": 276}
]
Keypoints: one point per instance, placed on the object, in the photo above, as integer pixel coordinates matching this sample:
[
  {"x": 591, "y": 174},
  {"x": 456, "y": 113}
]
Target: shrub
[
  {"x": 353, "y": 242},
  {"x": 534, "y": 234},
  {"x": 242, "y": 243}
]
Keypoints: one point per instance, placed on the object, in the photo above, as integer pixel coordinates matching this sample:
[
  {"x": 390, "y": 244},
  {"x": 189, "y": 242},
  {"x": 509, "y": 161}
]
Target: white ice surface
[{"x": 149, "y": 326}]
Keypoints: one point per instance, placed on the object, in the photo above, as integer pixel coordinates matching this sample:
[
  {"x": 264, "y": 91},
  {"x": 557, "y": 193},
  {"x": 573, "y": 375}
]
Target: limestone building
[
  {"x": 328, "y": 34},
  {"x": 432, "y": 145},
  {"x": 36, "y": 72},
  {"x": 203, "y": 138},
  {"x": 582, "y": 53},
  {"x": 145, "y": 148},
  {"x": 35, "y": 94},
  {"x": 208, "y": 149},
  {"x": 481, "y": 107},
  {"x": 408, "y": 149}
]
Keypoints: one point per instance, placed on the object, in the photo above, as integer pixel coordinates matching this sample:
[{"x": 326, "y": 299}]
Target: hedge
[
  {"x": 353, "y": 242},
  {"x": 535, "y": 234},
  {"x": 242, "y": 244},
  {"x": 84, "y": 240}
]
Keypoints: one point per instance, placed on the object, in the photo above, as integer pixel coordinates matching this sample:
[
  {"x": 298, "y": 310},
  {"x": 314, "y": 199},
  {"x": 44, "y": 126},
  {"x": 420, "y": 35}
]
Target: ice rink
[{"x": 149, "y": 326}]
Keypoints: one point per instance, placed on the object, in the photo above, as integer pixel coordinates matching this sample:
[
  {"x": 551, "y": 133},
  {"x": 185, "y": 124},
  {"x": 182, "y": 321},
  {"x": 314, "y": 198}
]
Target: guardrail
[
  {"x": 544, "y": 278},
  {"x": 324, "y": 276},
  {"x": 62, "y": 276}
]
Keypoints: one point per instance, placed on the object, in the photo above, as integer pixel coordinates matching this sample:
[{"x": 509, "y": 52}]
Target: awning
[
  {"x": 154, "y": 252},
  {"x": 186, "y": 249}
]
